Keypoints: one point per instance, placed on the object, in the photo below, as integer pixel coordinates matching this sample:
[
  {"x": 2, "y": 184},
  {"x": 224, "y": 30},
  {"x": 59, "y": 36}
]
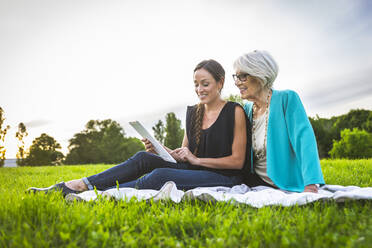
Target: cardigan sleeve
[{"x": 303, "y": 140}]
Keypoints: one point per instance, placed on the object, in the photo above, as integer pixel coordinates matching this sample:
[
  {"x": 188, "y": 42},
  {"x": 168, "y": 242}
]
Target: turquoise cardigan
[{"x": 292, "y": 153}]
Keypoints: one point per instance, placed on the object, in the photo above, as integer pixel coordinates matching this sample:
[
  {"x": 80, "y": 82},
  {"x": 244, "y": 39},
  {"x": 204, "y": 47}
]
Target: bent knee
[
  {"x": 155, "y": 179},
  {"x": 161, "y": 173},
  {"x": 142, "y": 154}
]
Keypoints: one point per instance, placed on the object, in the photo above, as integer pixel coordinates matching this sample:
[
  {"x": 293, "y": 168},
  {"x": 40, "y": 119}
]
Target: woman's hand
[
  {"x": 186, "y": 155},
  {"x": 311, "y": 188},
  {"x": 175, "y": 155},
  {"x": 148, "y": 145}
]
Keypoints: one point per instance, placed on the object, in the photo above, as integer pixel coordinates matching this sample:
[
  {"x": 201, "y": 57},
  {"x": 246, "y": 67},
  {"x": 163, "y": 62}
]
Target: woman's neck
[
  {"x": 214, "y": 105},
  {"x": 261, "y": 99}
]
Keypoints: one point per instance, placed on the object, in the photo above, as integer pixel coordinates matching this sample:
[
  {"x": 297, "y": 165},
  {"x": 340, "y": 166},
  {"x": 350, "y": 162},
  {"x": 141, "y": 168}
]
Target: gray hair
[{"x": 259, "y": 64}]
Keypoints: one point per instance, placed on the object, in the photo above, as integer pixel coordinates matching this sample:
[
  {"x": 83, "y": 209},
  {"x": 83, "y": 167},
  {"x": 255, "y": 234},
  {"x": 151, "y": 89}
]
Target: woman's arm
[
  {"x": 150, "y": 148},
  {"x": 303, "y": 141},
  {"x": 235, "y": 160},
  {"x": 185, "y": 143}
]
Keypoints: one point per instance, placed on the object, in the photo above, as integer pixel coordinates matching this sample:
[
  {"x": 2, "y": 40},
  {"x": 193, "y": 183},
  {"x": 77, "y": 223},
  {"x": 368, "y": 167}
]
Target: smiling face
[
  {"x": 250, "y": 87},
  {"x": 206, "y": 87}
]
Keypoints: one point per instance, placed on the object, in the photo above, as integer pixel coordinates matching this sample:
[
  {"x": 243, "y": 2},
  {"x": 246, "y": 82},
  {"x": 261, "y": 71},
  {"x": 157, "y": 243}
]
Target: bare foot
[{"x": 77, "y": 185}]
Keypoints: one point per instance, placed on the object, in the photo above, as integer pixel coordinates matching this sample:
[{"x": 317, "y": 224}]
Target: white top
[{"x": 260, "y": 165}]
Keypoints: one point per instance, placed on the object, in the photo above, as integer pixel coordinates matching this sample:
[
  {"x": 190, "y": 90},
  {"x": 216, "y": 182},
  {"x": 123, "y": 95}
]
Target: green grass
[{"x": 48, "y": 221}]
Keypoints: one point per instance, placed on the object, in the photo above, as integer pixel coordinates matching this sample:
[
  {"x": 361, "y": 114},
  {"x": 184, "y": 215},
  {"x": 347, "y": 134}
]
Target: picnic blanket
[{"x": 256, "y": 196}]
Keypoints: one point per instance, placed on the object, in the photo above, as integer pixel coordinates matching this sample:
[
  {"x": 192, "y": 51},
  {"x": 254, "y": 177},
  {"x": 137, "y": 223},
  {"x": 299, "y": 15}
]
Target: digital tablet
[{"x": 160, "y": 150}]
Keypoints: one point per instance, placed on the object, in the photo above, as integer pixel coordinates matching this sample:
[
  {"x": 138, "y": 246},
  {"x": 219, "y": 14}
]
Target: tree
[
  {"x": 159, "y": 131},
  {"x": 234, "y": 98},
  {"x": 131, "y": 146},
  {"x": 174, "y": 132},
  {"x": 3, "y": 132},
  {"x": 367, "y": 125},
  {"x": 101, "y": 142},
  {"x": 324, "y": 134},
  {"x": 353, "y": 145},
  {"x": 328, "y": 130},
  {"x": 43, "y": 151},
  {"x": 356, "y": 118},
  {"x": 20, "y": 134}
]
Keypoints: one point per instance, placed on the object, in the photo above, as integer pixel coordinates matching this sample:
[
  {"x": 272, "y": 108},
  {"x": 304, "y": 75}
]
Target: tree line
[
  {"x": 344, "y": 136},
  {"x": 100, "y": 142}
]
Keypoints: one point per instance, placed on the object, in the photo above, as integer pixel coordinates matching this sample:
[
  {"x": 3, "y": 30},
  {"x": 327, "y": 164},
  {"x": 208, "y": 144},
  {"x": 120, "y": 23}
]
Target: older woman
[{"x": 284, "y": 150}]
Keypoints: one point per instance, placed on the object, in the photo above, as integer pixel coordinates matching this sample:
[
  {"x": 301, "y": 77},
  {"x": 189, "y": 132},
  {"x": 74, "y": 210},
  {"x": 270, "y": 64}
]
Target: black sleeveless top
[{"x": 216, "y": 141}]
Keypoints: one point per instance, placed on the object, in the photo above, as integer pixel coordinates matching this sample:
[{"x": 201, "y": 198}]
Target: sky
[{"x": 63, "y": 63}]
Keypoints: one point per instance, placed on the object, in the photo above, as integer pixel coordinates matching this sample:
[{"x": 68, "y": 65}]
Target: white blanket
[{"x": 256, "y": 197}]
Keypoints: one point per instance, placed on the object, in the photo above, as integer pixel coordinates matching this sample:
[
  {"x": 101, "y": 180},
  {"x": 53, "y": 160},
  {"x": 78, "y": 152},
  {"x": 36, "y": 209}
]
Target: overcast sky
[{"x": 63, "y": 63}]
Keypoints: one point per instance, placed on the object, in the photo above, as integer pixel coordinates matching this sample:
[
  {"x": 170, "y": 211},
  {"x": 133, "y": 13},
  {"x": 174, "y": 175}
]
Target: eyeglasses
[{"x": 242, "y": 77}]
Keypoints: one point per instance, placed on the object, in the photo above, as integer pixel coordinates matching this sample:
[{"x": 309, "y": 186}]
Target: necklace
[{"x": 260, "y": 153}]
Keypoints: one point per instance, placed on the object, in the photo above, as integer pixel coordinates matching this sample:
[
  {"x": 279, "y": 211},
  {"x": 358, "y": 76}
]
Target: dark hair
[
  {"x": 218, "y": 73},
  {"x": 213, "y": 67}
]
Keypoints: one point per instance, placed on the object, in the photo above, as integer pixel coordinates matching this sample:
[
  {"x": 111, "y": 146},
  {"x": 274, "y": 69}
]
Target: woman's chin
[
  {"x": 244, "y": 96},
  {"x": 203, "y": 101}
]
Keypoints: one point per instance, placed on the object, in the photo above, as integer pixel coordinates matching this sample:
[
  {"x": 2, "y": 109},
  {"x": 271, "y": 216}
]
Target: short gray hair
[{"x": 259, "y": 64}]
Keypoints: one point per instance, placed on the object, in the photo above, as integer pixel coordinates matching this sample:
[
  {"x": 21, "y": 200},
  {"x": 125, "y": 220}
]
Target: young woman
[{"x": 213, "y": 151}]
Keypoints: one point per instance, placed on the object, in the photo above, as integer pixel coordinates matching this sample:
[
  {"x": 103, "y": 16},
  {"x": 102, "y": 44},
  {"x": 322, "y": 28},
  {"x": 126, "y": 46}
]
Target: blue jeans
[{"x": 148, "y": 171}]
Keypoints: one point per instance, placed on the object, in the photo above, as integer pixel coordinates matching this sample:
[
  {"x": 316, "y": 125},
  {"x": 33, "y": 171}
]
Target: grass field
[{"x": 48, "y": 221}]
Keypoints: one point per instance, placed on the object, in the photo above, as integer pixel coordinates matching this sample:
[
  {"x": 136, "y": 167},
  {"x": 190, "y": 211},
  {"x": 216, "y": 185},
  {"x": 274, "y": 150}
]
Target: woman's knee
[
  {"x": 142, "y": 155},
  {"x": 160, "y": 173},
  {"x": 156, "y": 179},
  {"x": 148, "y": 160}
]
